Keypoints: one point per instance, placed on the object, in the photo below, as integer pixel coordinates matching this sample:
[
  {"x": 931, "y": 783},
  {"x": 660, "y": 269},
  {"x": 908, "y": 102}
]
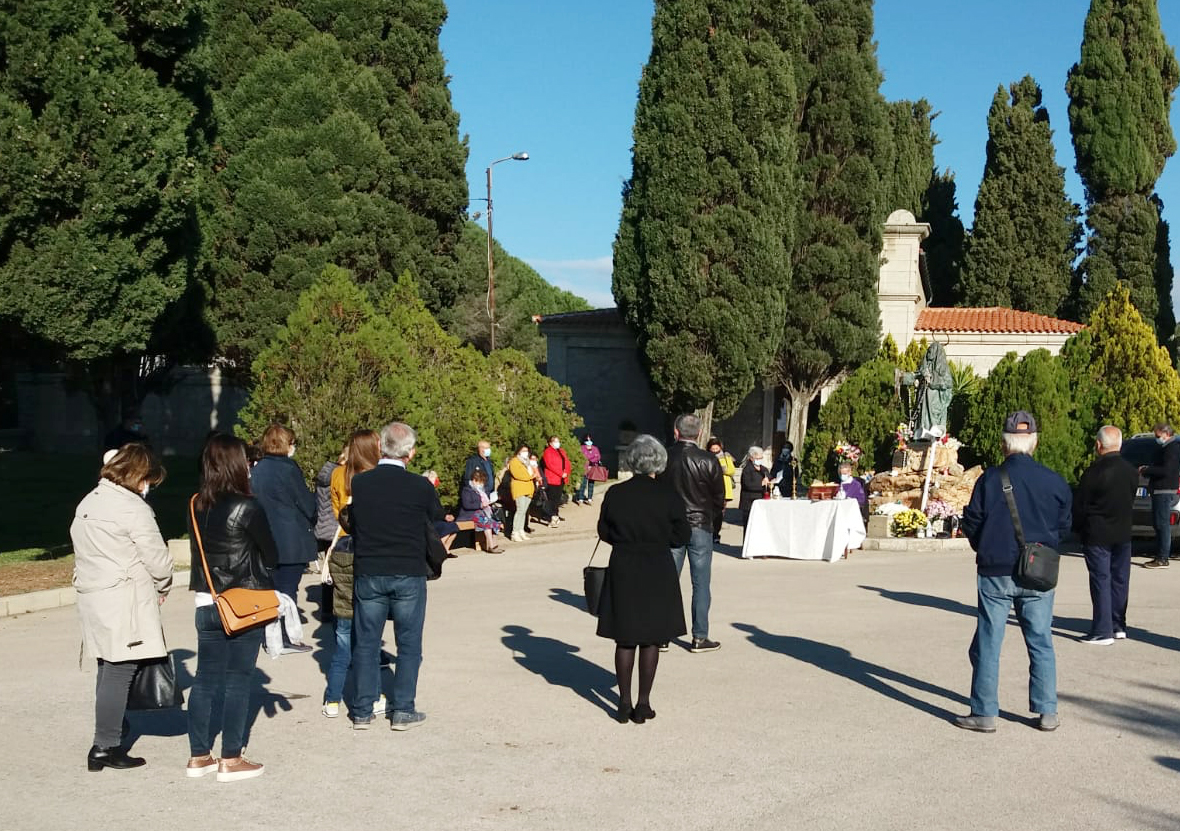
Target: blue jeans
[
  {"x": 700, "y": 566},
  {"x": 225, "y": 667},
  {"x": 1034, "y": 610},
  {"x": 1161, "y": 510},
  {"x": 375, "y": 600},
  {"x": 341, "y": 660},
  {"x": 1110, "y": 576},
  {"x": 585, "y": 490}
]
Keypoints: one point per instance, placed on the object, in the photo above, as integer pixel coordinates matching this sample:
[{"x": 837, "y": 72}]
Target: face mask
[
  {"x": 144, "y": 490},
  {"x": 1162, "y": 439},
  {"x": 556, "y": 445},
  {"x": 291, "y": 452},
  {"x": 589, "y": 443},
  {"x": 532, "y": 462},
  {"x": 487, "y": 452},
  {"x": 845, "y": 478},
  {"x": 524, "y": 457}
]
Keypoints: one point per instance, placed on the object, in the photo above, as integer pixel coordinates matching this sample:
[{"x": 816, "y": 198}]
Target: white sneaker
[
  {"x": 518, "y": 537},
  {"x": 331, "y": 709},
  {"x": 379, "y": 706},
  {"x": 1120, "y": 635}
]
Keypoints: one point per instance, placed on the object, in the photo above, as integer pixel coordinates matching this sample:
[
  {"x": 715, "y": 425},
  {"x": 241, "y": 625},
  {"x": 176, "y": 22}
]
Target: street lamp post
[{"x": 515, "y": 157}]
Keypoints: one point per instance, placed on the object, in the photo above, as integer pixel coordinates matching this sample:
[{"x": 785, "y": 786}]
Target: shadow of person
[
  {"x": 728, "y": 550},
  {"x": 556, "y": 662},
  {"x": 841, "y": 662},
  {"x": 1170, "y": 762},
  {"x": 928, "y": 600},
  {"x": 569, "y": 598}
]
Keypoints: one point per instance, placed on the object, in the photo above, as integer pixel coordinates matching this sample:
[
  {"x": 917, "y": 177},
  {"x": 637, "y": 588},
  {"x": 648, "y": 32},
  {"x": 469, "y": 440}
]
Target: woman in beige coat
[{"x": 122, "y": 573}]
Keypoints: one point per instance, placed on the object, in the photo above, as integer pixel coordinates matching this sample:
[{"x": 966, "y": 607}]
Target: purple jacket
[{"x": 592, "y": 453}]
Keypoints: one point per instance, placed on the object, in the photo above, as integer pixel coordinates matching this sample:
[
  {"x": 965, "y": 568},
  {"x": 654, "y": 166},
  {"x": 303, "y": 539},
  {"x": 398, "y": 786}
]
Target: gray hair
[
  {"x": 755, "y": 452},
  {"x": 397, "y": 440},
  {"x": 688, "y": 426},
  {"x": 1014, "y": 443},
  {"x": 646, "y": 456},
  {"x": 1110, "y": 437}
]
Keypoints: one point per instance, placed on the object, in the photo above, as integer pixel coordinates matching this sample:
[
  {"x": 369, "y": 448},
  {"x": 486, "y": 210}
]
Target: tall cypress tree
[
  {"x": 1120, "y": 97},
  {"x": 1026, "y": 234},
  {"x": 99, "y": 182},
  {"x": 701, "y": 253},
  {"x": 910, "y": 156},
  {"x": 338, "y": 144},
  {"x": 833, "y": 319},
  {"x": 944, "y": 247}
]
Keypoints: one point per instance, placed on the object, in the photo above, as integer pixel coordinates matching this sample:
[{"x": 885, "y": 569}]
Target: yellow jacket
[
  {"x": 336, "y": 486},
  {"x": 522, "y": 478},
  {"x": 728, "y": 469}
]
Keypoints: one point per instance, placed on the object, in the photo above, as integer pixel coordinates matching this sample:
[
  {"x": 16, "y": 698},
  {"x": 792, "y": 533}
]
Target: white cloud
[{"x": 589, "y": 279}]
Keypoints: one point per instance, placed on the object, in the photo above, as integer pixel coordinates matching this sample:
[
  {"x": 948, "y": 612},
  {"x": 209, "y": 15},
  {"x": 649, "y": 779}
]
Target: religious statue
[{"x": 932, "y": 400}]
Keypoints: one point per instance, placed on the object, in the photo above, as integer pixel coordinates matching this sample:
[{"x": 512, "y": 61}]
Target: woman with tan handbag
[
  {"x": 122, "y": 573},
  {"x": 231, "y": 540}
]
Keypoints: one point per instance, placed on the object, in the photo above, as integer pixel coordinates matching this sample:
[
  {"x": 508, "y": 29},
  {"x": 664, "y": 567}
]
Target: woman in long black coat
[
  {"x": 643, "y": 520},
  {"x": 755, "y": 480}
]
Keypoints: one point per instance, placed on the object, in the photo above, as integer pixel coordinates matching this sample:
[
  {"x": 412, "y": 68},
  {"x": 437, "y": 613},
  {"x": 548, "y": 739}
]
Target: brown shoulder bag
[{"x": 240, "y": 609}]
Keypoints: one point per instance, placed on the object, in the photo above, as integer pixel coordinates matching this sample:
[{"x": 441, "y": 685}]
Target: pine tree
[
  {"x": 1026, "y": 235},
  {"x": 945, "y": 246},
  {"x": 99, "y": 182},
  {"x": 1120, "y": 98},
  {"x": 338, "y": 144},
  {"x": 701, "y": 253},
  {"x": 832, "y": 323},
  {"x": 910, "y": 163}
]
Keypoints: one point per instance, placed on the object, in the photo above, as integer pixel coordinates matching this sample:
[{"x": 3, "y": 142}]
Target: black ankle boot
[{"x": 111, "y": 757}]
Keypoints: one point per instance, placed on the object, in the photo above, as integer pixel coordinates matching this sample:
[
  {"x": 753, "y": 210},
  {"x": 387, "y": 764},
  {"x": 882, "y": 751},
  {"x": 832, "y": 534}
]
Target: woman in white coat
[{"x": 122, "y": 573}]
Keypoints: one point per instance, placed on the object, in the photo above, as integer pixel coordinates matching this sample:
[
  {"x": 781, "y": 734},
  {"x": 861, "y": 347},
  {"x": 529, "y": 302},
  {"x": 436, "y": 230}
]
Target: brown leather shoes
[
  {"x": 231, "y": 770},
  {"x": 198, "y": 766}
]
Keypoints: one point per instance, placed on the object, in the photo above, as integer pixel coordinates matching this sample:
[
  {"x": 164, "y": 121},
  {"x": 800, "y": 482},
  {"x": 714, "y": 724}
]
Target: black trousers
[{"x": 110, "y": 700}]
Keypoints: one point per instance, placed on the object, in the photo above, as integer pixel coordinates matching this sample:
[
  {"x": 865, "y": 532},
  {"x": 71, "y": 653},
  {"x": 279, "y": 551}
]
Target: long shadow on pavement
[
  {"x": 569, "y": 598},
  {"x": 556, "y": 662},
  {"x": 841, "y": 662}
]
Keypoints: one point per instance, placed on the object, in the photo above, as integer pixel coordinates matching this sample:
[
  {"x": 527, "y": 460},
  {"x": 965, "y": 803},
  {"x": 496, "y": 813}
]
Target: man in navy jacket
[
  {"x": 1043, "y": 501},
  {"x": 1163, "y": 480}
]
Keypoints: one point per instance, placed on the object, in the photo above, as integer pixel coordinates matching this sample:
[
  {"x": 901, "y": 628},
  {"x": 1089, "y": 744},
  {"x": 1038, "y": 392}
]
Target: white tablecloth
[{"x": 803, "y": 530}]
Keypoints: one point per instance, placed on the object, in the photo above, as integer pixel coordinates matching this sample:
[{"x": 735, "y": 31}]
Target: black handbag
[
  {"x": 345, "y": 518},
  {"x": 154, "y": 687},
  {"x": 594, "y": 582},
  {"x": 436, "y": 552},
  {"x": 1038, "y": 565}
]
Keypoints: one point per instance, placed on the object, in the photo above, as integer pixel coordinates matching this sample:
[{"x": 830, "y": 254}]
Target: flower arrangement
[
  {"x": 848, "y": 452},
  {"x": 904, "y": 435},
  {"x": 939, "y": 509},
  {"x": 907, "y": 523}
]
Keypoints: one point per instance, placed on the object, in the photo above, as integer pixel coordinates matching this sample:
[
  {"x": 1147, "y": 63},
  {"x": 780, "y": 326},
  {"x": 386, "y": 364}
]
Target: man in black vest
[
  {"x": 391, "y": 508},
  {"x": 1163, "y": 480},
  {"x": 1102, "y": 506}
]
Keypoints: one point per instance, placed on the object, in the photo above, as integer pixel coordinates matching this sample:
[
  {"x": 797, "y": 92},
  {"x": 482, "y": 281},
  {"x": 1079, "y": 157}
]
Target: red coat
[{"x": 557, "y": 466}]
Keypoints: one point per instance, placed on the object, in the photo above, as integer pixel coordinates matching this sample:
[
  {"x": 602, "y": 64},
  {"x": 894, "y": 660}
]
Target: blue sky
[{"x": 559, "y": 81}]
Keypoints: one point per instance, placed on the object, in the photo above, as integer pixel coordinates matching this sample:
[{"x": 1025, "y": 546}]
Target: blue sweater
[{"x": 1043, "y": 500}]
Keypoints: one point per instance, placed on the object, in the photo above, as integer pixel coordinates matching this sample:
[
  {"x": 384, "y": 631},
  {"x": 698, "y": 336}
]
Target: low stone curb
[
  {"x": 20, "y": 604},
  {"x": 915, "y": 544}
]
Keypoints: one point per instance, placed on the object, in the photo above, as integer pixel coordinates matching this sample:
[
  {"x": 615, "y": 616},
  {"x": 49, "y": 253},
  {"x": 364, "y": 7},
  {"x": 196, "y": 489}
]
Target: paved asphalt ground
[{"x": 827, "y": 707}]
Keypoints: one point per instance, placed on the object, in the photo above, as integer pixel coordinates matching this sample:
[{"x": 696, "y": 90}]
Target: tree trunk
[
  {"x": 798, "y": 402},
  {"x": 705, "y": 414}
]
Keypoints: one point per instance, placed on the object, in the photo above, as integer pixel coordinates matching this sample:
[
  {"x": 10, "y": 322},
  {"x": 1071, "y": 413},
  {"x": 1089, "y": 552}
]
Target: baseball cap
[{"x": 1020, "y": 422}]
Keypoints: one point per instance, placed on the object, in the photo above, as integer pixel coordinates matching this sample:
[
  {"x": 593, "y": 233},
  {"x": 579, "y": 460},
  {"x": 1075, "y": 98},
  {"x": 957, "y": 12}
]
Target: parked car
[{"x": 1142, "y": 449}]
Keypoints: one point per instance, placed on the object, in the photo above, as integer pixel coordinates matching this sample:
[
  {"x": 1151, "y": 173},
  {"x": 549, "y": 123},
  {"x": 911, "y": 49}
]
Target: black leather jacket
[
  {"x": 696, "y": 476},
  {"x": 238, "y": 546}
]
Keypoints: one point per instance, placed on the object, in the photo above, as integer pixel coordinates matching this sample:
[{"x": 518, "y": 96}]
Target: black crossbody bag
[{"x": 1038, "y": 565}]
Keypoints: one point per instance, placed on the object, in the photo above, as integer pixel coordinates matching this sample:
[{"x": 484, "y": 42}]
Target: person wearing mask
[
  {"x": 290, "y": 507},
  {"x": 786, "y": 473},
  {"x": 593, "y": 456},
  {"x": 122, "y": 573},
  {"x": 539, "y": 508},
  {"x": 522, "y": 488},
  {"x": 446, "y": 528},
  {"x": 851, "y": 487},
  {"x": 557, "y": 476},
  {"x": 241, "y": 553},
  {"x": 481, "y": 460},
  {"x": 755, "y": 480},
  {"x": 643, "y": 519},
  {"x": 1163, "y": 481},
  {"x": 728, "y": 469},
  {"x": 475, "y": 505}
]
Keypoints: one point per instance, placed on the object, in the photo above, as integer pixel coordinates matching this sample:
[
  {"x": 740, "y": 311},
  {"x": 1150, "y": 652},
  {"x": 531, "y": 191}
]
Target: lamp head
[{"x": 520, "y": 157}]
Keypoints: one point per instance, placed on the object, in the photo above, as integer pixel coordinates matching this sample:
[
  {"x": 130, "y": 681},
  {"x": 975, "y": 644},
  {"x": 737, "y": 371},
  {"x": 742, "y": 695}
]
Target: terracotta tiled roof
[{"x": 993, "y": 319}]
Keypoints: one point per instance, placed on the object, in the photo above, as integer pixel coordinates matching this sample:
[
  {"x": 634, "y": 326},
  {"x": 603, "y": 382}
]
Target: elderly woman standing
[
  {"x": 642, "y": 519},
  {"x": 122, "y": 573},
  {"x": 755, "y": 481},
  {"x": 278, "y": 484}
]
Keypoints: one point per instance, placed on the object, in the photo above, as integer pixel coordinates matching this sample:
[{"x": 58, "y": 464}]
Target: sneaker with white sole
[
  {"x": 231, "y": 770},
  {"x": 331, "y": 709},
  {"x": 1048, "y": 722},
  {"x": 198, "y": 766},
  {"x": 1120, "y": 635},
  {"x": 406, "y": 719},
  {"x": 1094, "y": 640},
  {"x": 518, "y": 538}
]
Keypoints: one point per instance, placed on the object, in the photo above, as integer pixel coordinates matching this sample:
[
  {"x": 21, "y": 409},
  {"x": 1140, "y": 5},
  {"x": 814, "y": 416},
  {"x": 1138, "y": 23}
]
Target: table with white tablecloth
[{"x": 803, "y": 530}]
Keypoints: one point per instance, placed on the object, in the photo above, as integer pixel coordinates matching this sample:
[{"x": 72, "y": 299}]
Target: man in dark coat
[
  {"x": 696, "y": 476},
  {"x": 1163, "y": 480},
  {"x": 480, "y": 460},
  {"x": 1102, "y": 507},
  {"x": 1043, "y": 502}
]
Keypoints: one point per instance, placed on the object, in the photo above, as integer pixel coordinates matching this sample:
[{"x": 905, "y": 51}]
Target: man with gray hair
[
  {"x": 1163, "y": 482},
  {"x": 1043, "y": 503},
  {"x": 696, "y": 476},
  {"x": 391, "y": 509},
  {"x": 1102, "y": 507}
]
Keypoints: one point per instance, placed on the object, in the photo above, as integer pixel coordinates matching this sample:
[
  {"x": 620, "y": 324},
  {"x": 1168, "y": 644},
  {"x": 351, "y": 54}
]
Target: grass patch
[{"x": 41, "y": 491}]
